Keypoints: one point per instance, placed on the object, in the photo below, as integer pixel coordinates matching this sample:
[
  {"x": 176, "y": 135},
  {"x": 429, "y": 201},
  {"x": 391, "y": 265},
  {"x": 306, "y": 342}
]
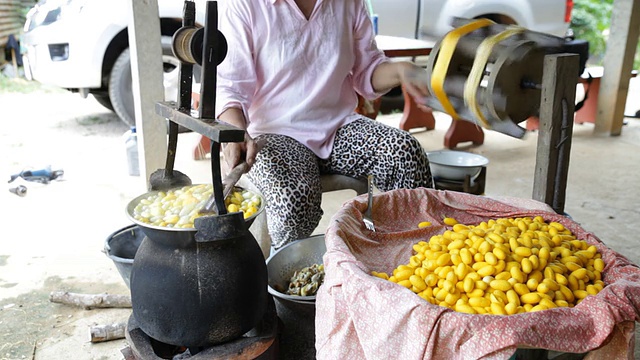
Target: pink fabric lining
[{"x": 359, "y": 316}]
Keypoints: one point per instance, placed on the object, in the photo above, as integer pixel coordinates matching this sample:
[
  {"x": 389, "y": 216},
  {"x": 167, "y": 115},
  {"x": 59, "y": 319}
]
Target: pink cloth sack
[{"x": 359, "y": 316}]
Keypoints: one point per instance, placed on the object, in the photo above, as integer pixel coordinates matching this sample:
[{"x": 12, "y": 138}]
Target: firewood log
[
  {"x": 90, "y": 301},
  {"x": 101, "y": 333}
]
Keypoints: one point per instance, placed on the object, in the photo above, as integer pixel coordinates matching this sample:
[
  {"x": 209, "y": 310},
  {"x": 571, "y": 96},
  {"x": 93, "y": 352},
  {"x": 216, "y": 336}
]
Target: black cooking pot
[{"x": 198, "y": 288}]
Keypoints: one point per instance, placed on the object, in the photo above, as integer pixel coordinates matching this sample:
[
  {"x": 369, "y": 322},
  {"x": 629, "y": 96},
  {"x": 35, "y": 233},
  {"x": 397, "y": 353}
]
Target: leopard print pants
[{"x": 287, "y": 173}]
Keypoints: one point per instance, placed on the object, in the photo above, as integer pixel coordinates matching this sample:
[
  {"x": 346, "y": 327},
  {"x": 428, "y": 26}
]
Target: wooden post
[
  {"x": 148, "y": 88},
  {"x": 618, "y": 63},
  {"x": 557, "y": 106}
]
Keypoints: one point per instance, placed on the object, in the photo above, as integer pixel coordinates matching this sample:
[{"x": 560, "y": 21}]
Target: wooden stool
[
  {"x": 415, "y": 117},
  {"x": 589, "y": 110},
  {"x": 335, "y": 182},
  {"x": 368, "y": 108},
  {"x": 461, "y": 131},
  {"x": 203, "y": 148}
]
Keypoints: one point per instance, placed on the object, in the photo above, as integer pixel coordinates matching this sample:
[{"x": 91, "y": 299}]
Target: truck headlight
[{"x": 51, "y": 11}]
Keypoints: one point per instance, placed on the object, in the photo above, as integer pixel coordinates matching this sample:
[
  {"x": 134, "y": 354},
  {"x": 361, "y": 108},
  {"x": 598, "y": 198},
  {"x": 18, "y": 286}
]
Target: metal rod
[
  {"x": 186, "y": 69},
  {"x": 215, "y": 130},
  {"x": 216, "y": 176},
  {"x": 209, "y": 64},
  {"x": 184, "y": 104}
]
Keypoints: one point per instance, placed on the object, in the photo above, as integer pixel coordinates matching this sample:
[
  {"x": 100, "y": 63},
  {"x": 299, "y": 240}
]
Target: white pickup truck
[{"x": 82, "y": 45}]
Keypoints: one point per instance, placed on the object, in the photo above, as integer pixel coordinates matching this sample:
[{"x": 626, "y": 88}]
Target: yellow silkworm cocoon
[
  {"x": 449, "y": 221},
  {"x": 530, "y": 298},
  {"x": 501, "y": 266}
]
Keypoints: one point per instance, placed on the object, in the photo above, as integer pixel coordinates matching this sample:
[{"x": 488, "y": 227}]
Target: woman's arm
[
  {"x": 236, "y": 79},
  {"x": 237, "y": 73},
  {"x": 235, "y": 153},
  {"x": 390, "y": 74},
  {"x": 234, "y": 116}
]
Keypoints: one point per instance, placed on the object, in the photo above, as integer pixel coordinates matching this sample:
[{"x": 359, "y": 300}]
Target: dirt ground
[
  {"x": 54, "y": 236},
  {"x": 53, "y": 241}
]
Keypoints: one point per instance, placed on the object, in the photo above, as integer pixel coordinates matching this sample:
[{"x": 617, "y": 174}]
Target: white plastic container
[{"x": 131, "y": 144}]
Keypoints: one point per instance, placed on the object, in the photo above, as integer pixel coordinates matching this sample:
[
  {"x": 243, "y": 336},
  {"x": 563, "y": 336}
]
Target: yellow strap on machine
[
  {"x": 447, "y": 47},
  {"x": 477, "y": 71}
]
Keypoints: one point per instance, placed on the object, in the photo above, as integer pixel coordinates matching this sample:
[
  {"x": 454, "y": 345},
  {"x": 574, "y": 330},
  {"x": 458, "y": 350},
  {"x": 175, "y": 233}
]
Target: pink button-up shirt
[{"x": 293, "y": 76}]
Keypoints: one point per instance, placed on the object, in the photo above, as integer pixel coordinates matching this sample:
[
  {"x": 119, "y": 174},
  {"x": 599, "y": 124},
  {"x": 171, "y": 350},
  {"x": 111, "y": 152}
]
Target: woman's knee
[
  {"x": 411, "y": 145},
  {"x": 293, "y": 205},
  {"x": 293, "y": 214},
  {"x": 412, "y": 163},
  {"x": 299, "y": 201}
]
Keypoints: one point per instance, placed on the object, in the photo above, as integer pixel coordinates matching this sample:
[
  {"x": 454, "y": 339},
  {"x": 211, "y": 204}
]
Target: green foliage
[
  {"x": 590, "y": 21},
  {"x": 22, "y": 86},
  {"x": 25, "y": 6}
]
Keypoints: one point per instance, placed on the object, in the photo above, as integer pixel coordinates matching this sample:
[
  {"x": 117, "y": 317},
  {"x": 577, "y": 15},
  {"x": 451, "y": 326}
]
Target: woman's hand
[
  {"x": 411, "y": 76},
  {"x": 235, "y": 153},
  {"x": 414, "y": 80}
]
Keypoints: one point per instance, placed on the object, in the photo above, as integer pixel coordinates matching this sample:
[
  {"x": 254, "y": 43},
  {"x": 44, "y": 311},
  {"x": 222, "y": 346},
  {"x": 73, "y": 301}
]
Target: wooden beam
[
  {"x": 557, "y": 106},
  {"x": 618, "y": 63},
  {"x": 148, "y": 88}
]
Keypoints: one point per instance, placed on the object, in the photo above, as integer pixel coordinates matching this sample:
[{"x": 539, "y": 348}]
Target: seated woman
[{"x": 290, "y": 79}]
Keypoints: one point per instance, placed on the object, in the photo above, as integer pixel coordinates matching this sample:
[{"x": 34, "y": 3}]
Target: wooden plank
[
  {"x": 10, "y": 23},
  {"x": 146, "y": 71},
  {"x": 557, "y": 106},
  {"x": 618, "y": 63},
  {"x": 14, "y": 22},
  {"x": 14, "y": 5},
  {"x": 11, "y": 18}
]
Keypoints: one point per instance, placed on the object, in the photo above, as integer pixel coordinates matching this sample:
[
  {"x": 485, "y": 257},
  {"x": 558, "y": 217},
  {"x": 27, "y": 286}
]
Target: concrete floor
[{"x": 56, "y": 233}]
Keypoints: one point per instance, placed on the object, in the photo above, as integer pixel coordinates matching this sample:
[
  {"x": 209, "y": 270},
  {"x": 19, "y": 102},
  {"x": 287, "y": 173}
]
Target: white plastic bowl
[{"x": 455, "y": 165}]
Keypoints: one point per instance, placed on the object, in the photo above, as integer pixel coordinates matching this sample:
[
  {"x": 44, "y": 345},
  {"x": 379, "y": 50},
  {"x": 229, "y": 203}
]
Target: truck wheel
[
  {"x": 120, "y": 81},
  {"x": 103, "y": 99}
]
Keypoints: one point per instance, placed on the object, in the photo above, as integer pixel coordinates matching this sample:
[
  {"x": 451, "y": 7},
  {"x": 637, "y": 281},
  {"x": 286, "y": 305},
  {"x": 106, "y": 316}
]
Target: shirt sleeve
[
  {"x": 367, "y": 54},
  {"x": 237, "y": 73}
]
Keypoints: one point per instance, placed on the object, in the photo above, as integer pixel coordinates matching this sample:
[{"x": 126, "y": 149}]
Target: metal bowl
[
  {"x": 455, "y": 165},
  {"x": 289, "y": 259},
  {"x": 177, "y": 236}
]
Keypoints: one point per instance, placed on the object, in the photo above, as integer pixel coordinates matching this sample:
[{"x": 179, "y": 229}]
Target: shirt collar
[{"x": 275, "y": 1}]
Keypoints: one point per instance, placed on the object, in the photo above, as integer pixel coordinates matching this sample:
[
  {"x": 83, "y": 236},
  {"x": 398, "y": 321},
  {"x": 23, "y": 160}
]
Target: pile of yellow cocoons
[
  {"x": 178, "y": 208},
  {"x": 503, "y": 267}
]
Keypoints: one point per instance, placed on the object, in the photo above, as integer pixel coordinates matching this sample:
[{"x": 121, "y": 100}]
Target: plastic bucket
[{"x": 121, "y": 247}]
